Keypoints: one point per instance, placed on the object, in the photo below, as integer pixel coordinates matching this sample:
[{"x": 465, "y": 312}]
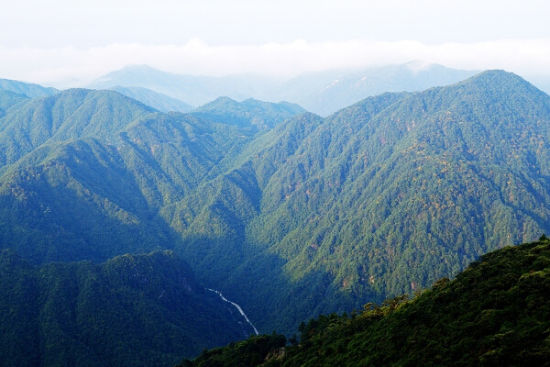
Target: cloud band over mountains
[{"x": 70, "y": 66}]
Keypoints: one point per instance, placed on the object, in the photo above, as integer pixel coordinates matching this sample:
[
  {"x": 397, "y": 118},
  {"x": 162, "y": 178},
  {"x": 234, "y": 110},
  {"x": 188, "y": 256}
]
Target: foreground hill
[
  {"x": 495, "y": 313},
  {"x": 133, "y": 310}
]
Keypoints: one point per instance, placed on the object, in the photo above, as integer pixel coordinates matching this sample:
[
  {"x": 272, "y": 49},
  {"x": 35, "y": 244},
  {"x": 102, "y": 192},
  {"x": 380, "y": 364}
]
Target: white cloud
[{"x": 72, "y": 66}]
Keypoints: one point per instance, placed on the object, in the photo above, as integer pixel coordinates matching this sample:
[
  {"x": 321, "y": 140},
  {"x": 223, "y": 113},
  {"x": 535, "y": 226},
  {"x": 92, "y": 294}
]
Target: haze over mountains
[
  {"x": 321, "y": 92},
  {"x": 288, "y": 213}
]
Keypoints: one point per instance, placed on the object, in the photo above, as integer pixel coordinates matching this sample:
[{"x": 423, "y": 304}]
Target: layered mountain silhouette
[{"x": 321, "y": 92}]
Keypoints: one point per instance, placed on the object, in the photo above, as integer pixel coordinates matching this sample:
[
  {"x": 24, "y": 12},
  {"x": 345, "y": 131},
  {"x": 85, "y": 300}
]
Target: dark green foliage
[
  {"x": 495, "y": 313},
  {"x": 246, "y": 353},
  {"x": 133, "y": 310}
]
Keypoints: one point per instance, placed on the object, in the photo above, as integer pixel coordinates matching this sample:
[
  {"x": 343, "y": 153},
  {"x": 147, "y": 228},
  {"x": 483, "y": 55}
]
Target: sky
[{"x": 62, "y": 42}]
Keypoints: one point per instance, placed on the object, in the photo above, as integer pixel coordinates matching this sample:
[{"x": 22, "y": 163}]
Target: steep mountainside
[
  {"x": 86, "y": 172},
  {"x": 495, "y": 313},
  {"x": 133, "y": 310},
  {"x": 382, "y": 198}
]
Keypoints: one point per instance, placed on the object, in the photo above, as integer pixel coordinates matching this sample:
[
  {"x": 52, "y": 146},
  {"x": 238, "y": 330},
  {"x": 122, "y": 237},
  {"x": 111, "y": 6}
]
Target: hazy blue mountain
[
  {"x": 195, "y": 90},
  {"x": 133, "y": 310},
  {"x": 322, "y": 93},
  {"x": 328, "y": 92},
  {"x": 250, "y": 112},
  {"x": 26, "y": 89},
  {"x": 156, "y": 100}
]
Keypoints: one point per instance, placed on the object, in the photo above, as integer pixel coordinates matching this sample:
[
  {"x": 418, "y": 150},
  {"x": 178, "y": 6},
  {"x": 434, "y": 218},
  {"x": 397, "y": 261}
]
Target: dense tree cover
[
  {"x": 133, "y": 310},
  {"x": 312, "y": 216},
  {"x": 247, "y": 353},
  {"x": 495, "y": 313}
]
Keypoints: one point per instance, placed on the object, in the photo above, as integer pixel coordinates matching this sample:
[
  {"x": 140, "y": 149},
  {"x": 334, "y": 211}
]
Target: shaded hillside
[
  {"x": 91, "y": 169},
  {"x": 133, "y": 310},
  {"x": 495, "y": 313}
]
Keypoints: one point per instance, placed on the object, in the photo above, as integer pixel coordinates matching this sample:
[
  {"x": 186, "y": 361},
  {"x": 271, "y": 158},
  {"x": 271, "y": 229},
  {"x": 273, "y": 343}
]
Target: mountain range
[
  {"x": 289, "y": 214},
  {"x": 321, "y": 92}
]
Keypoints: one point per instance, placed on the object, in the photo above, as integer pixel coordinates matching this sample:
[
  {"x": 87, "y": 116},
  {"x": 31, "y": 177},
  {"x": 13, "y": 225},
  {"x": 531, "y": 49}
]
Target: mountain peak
[{"x": 497, "y": 78}]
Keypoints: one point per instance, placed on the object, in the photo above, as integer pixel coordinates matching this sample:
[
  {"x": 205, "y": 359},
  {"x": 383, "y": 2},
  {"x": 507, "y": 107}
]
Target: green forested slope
[
  {"x": 384, "y": 197},
  {"x": 311, "y": 216},
  {"x": 133, "y": 310},
  {"x": 90, "y": 170},
  {"x": 495, "y": 313}
]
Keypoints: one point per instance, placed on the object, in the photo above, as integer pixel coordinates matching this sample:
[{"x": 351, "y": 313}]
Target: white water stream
[{"x": 237, "y": 307}]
